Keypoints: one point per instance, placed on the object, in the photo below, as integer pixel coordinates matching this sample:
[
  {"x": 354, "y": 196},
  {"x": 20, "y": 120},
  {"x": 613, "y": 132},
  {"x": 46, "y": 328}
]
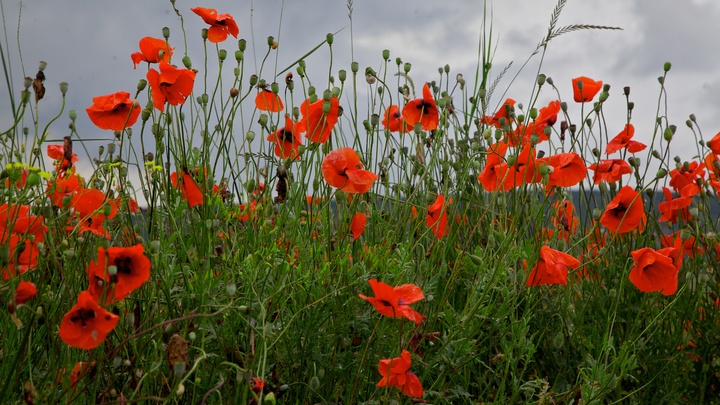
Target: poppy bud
[
  {"x": 406, "y": 67},
  {"x": 222, "y": 54},
  {"x": 145, "y": 114},
  {"x": 597, "y": 212},
  {"x": 186, "y": 62},
  {"x": 482, "y": 93},
  {"x": 634, "y": 162},
  {"x": 656, "y": 154},
  {"x": 242, "y": 44},
  {"x": 511, "y": 160},
  {"x": 667, "y": 66},
  {"x": 301, "y": 71},
  {"x": 330, "y": 38},
  {"x": 603, "y": 96},
  {"x": 549, "y": 81},
  {"x": 66, "y": 201},
  {"x": 694, "y": 211},
  {"x": 398, "y": 61},
  {"x": 498, "y": 134},
  {"x": 269, "y": 399},
  {"x": 314, "y": 383},
  {"x": 668, "y": 134},
  {"x": 541, "y": 79},
  {"x": 368, "y": 127},
  {"x": 250, "y": 136},
  {"x": 661, "y": 80},
  {"x": 534, "y": 139},
  {"x": 231, "y": 289},
  {"x": 253, "y": 80},
  {"x": 204, "y": 34},
  {"x": 335, "y": 93},
  {"x": 63, "y": 88},
  {"x": 33, "y": 179},
  {"x": 533, "y": 113}
]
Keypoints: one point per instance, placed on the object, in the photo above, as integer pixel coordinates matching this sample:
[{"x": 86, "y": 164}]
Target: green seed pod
[
  {"x": 667, "y": 66},
  {"x": 330, "y": 38},
  {"x": 222, "y": 54},
  {"x": 386, "y": 54},
  {"x": 242, "y": 45},
  {"x": 342, "y": 75},
  {"x": 187, "y": 62}
]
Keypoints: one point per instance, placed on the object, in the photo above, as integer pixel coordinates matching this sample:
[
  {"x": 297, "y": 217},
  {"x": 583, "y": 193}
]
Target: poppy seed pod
[
  {"x": 270, "y": 40},
  {"x": 667, "y": 66},
  {"x": 204, "y": 34},
  {"x": 447, "y": 69},
  {"x": 541, "y": 79},
  {"x": 407, "y": 67},
  {"x": 234, "y": 92},
  {"x": 222, "y": 54},
  {"x": 330, "y": 38},
  {"x": 42, "y": 65},
  {"x": 668, "y": 134},
  {"x": 263, "y": 120},
  {"x": 342, "y": 75},
  {"x": 27, "y": 82},
  {"x": 386, "y": 54},
  {"x": 166, "y": 32},
  {"x": 603, "y": 96},
  {"x": 253, "y": 80},
  {"x": 242, "y": 45},
  {"x": 630, "y": 105},
  {"x": 661, "y": 174},
  {"x": 327, "y": 95},
  {"x": 656, "y": 154},
  {"x": 63, "y": 88},
  {"x": 250, "y": 136}
]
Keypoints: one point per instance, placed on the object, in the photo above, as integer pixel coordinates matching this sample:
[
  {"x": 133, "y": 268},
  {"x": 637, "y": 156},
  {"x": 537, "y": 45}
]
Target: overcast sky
[{"x": 87, "y": 43}]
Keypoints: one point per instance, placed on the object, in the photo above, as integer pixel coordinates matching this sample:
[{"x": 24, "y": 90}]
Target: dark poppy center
[
  {"x": 619, "y": 211},
  {"x": 83, "y": 315},
  {"x": 123, "y": 264},
  {"x": 386, "y": 303},
  {"x": 285, "y": 135},
  {"x": 119, "y": 107},
  {"x": 565, "y": 224},
  {"x": 425, "y": 106}
]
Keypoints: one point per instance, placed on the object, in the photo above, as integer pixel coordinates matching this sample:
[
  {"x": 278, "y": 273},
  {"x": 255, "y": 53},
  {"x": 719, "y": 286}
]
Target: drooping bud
[{"x": 186, "y": 62}]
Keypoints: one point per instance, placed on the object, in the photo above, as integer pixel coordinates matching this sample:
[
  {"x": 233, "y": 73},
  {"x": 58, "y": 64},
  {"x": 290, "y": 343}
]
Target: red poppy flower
[
  {"x": 287, "y": 140},
  {"x": 245, "y": 212},
  {"x": 343, "y": 169},
  {"x": 171, "y": 85},
  {"x": 493, "y": 158},
  {"x": 57, "y": 152},
  {"x": 317, "y": 124},
  {"x": 502, "y": 112},
  {"x": 688, "y": 174},
  {"x": 654, "y": 270},
  {"x": 266, "y": 100},
  {"x": 548, "y": 114},
  {"x": 152, "y": 50},
  {"x": 714, "y": 144},
  {"x": 258, "y": 384},
  {"x": 131, "y": 270},
  {"x": 568, "y": 170},
  {"x": 86, "y": 324},
  {"x": 623, "y": 140},
  {"x": 422, "y": 110},
  {"x": 686, "y": 247},
  {"x": 589, "y": 89},
  {"x": 357, "y": 224},
  {"x": 24, "y": 292},
  {"x": 114, "y": 112},
  {"x": 670, "y": 208},
  {"x": 551, "y": 268},
  {"x": 89, "y": 204},
  {"x": 396, "y": 373},
  {"x": 610, "y": 170},
  {"x": 220, "y": 24},
  {"x": 62, "y": 187},
  {"x": 565, "y": 220},
  {"x": 393, "y": 121},
  {"x": 625, "y": 213},
  {"x": 437, "y": 216},
  {"x": 395, "y": 302},
  {"x": 524, "y": 170},
  {"x": 188, "y": 187}
]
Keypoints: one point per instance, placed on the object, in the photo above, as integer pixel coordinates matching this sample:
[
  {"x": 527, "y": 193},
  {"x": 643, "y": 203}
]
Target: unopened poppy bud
[
  {"x": 253, "y": 80},
  {"x": 269, "y": 399},
  {"x": 498, "y": 134},
  {"x": 667, "y": 66},
  {"x": 596, "y": 152},
  {"x": 327, "y": 95},
  {"x": 204, "y": 98},
  {"x": 250, "y": 136},
  {"x": 689, "y": 123},
  {"x": 63, "y": 88},
  {"x": 603, "y": 96},
  {"x": 630, "y": 105},
  {"x": 511, "y": 160},
  {"x": 597, "y": 212},
  {"x": 668, "y": 134},
  {"x": 263, "y": 120},
  {"x": 685, "y": 234},
  {"x": 222, "y": 54},
  {"x": 541, "y": 79},
  {"x": 406, "y": 67},
  {"x": 33, "y": 179},
  {"x": 368, "y": 127},
  {"x": 300, "y": 71},
  {"x": 66, "y": 201},
  {"x": 661, "y": 80},
  {"x": 234, "y": 92},
  {"x": 441, "y": 103},
  {"x": 187, "y": 62},
  {"x": 204, "y": 34},
  {"x": 330, "y": 38},
  {"x": 533, "y": 113},
  {"x": 145, "y": 114},
  {"x": 447, "y": 69},
  {"x": 314, "y": 383},
  {"x": 545, "y": 170},
  {"x": 242, "y": 45},
  {"x": 656, "y": 154},
  {"x": 634, "y": 162},
  {"x": 549, "y": 81},
  {"x": 661, "y": 174}
]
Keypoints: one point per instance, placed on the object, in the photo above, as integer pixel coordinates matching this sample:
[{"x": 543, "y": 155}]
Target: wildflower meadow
[{"x": 259, "y": 234}]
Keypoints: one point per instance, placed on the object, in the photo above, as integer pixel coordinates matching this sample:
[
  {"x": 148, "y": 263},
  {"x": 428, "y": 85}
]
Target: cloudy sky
[{"x": 87, "y": 43}]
